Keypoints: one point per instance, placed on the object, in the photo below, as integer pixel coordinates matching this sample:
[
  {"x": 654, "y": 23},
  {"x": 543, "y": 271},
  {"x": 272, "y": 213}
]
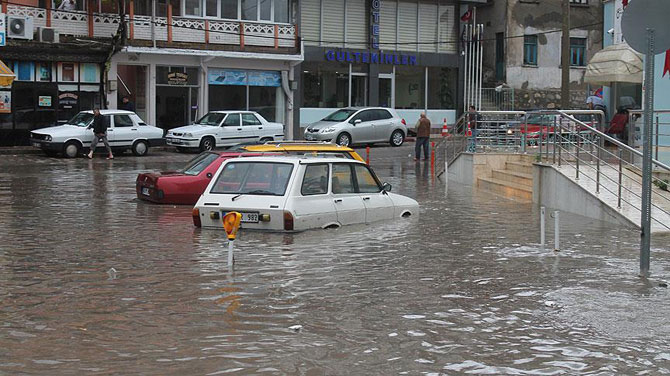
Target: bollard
[
  {"x": 542, "y": 235},
  {"x": 231, "y": 223},
  {"x": 432, "y": 158},
  {"x": 557, "y": 243},
  {"x": 230, "y": 253},
  {"x": 367, "y": 155}
]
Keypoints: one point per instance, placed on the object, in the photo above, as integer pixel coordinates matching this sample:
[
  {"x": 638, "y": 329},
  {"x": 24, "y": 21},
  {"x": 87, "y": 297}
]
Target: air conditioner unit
[
  {"x": 19, "y": 27},
  {"x": 46, "y": 34}
]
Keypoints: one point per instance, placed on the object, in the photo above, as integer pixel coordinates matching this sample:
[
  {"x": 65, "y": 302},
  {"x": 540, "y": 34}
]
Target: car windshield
[
  {"x": 254, "y": 178},
  {"x": 340, "y": 115},
  {"x": 211, "y": 118},
  {"x": 199, "y": 163},
  {"x": 82, "y": 119}
]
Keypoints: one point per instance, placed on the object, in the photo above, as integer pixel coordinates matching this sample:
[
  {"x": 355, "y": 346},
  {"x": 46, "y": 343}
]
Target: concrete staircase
[{"x": 515, "y": 181}]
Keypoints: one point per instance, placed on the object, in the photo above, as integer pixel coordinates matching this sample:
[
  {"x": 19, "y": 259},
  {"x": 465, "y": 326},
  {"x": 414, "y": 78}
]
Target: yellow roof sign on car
[{"x": 303, "y": 146}]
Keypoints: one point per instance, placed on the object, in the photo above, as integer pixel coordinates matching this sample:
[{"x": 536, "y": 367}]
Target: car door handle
[
  {"x": 134, "y": 129},
  {"x": 366, "y": 198},
  {"x": 338, "y": 200},
  {"x": 239, "y": 129},
  {"x": 260, "y": 127}
]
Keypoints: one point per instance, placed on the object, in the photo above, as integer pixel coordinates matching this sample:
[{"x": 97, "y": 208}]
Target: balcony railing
[{"x": 166, "y": 29}]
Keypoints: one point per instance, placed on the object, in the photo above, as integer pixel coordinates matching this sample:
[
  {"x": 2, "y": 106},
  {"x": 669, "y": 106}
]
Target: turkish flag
[
  {"x": 625, "y": 3},
  {"x": 666, "y": 66},
  {"x": 466, "y": 16}
]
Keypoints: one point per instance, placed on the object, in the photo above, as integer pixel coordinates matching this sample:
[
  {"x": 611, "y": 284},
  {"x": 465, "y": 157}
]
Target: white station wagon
[
  {"x": 225, "y": 128},
  {"x": 125, "y": 130},
  {"x": 290, "y": 193}
]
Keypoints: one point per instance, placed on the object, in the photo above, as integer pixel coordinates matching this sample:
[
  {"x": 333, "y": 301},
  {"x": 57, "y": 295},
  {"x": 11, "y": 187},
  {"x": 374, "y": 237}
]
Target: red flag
[
  {"x": 666, "y": 67},
  {"x": 625, "y": 3},
  {"x": 466, "y": 16}
]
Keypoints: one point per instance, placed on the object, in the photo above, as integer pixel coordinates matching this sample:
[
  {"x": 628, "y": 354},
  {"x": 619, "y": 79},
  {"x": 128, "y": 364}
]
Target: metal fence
[{"x": 494, "y": 99}]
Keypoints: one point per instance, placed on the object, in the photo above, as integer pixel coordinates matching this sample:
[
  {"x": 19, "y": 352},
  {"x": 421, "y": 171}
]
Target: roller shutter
[
  {"x": 447, "y": 25},
  {"x": 357, "y": 34},
  {"x": 408, "y": 25},
  {"x": 333, "y": 23},
  {"x": 428, "y": 26},
  {"x": 387, "y": 25},
  {"x": 310, "y": 17}
]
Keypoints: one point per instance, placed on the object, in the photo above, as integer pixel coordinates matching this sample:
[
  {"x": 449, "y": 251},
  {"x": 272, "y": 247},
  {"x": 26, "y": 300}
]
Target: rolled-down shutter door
[{"x": 310, "y": 18}]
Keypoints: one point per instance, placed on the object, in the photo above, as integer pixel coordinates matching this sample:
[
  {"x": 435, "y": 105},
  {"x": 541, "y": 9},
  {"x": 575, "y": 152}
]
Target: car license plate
[
  {"x": 37, "y": 144},
  {"x": 248, "y": 217},
  {"x": 145, "y": 191}
]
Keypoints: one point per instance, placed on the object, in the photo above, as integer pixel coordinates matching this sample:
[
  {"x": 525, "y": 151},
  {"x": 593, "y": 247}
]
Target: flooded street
[{"x": 93, "y": 281}]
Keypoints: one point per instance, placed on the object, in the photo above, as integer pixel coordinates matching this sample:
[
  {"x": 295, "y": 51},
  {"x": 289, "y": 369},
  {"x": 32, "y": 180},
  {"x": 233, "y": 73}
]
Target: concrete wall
[
  {"x": 554, "y": 190},
  {"x": 468, "y": 167}
]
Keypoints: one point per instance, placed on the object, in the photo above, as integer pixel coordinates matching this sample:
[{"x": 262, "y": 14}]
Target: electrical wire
[{"x": 321, "y": 42}]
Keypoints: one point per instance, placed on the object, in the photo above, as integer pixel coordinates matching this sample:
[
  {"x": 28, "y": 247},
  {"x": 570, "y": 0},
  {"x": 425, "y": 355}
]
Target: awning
[
  {"x": 616, "y": 63},
  {"x": 6, "y": 75}
]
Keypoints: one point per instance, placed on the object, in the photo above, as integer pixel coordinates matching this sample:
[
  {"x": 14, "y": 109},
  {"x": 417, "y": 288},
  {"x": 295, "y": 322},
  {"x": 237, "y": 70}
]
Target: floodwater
[{"x": 94, "y": 282}]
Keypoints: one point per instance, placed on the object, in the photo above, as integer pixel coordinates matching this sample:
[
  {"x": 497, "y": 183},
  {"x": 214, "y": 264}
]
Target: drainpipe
[
  {"x": 287, "y": 76},
  {"x": 205, "y": 86}
]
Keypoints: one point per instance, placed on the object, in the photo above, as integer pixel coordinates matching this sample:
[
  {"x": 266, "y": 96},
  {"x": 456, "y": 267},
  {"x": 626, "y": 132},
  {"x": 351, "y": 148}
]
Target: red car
[{"x": 183, "y": 186}]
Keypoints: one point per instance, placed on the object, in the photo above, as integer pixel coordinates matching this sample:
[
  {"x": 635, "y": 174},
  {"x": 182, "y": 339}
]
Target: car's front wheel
[
  {"x": 344, "y": 139},
  {"x": 397, "y": 138},
  {"x": 140, "y": 148},
  {"x": 71, "y": 149},
  {"x": 265, "y": 139},
  {"x": 207, "y": 144}
]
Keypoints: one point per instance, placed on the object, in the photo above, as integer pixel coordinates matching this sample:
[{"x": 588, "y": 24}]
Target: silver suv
[{"x": 368, "y": 125}]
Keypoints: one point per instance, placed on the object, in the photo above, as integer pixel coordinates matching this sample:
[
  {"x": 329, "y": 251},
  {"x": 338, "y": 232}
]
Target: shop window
[
  {"x": 410, "y": 83},
  {"x": 442, "y": 88},
  {"x": 578, "y": 52},
  {"x": 24, "y": 70},
  {"x": 227, "y": 97},
  {"x": 43, "y": 72},
  {"x": 229, "y": 9},
  {"x": 250, "y": 10},
  {"x": 530, "y": 49},
  {"x": 326, "y": 86},
  {"x": 89, "y": 72},
  {"x": 263, "y": 99},
  {"x": 67, "y": 72}
]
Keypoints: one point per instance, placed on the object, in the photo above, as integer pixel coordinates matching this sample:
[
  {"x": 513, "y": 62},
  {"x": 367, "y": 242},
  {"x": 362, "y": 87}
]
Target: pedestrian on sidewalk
[
  {"x": 99, "y": 133},
  {"x": 422, "y": 137},
  {"x": 127, "y": 104}
]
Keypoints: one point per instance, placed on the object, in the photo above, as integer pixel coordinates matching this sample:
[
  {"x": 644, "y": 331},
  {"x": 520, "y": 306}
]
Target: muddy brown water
[{"x": 464, "y": 288}]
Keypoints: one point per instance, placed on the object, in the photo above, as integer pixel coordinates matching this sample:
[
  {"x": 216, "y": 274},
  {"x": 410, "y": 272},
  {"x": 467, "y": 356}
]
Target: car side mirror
[
  {"x": 386, "y": 187},
  {"x": 357, "y": 121},
  {"x": 209, "y": 175}
]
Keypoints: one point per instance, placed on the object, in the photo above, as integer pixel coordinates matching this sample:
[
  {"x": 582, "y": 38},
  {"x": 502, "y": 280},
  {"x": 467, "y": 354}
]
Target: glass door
[
  {"x": 386, "y": 90},
  {"x": 359, "y": 86}
]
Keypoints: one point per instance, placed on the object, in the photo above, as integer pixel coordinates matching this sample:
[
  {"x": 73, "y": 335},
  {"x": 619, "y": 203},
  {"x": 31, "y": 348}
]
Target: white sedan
[
  {"x": 289, "y": 193},
  {"x": 225, "y": 128},
  {"x": 125, "y": 130}
]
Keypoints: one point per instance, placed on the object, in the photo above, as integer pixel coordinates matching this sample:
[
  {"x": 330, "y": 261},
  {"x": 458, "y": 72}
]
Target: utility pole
[{"x": 565, "y": 57}]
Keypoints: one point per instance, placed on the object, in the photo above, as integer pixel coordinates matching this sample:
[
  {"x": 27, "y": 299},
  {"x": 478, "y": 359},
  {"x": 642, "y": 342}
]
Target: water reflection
[{"x": 463, "y": 288}]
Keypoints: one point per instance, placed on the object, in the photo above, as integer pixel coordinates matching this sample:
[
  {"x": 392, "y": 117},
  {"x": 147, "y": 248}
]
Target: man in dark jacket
[
  {"x": 126, "y": 104},
  {"x": 422, "y": 137},
  {"x": 99, "y": 133}
]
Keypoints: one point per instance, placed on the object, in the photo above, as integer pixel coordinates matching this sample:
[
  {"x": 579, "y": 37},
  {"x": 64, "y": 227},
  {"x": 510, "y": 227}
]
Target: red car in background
[{"x": 183, "y": 186}]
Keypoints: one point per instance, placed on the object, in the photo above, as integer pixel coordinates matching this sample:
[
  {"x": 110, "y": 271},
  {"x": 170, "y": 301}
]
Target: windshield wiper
[{"x": 255, "y": 192}]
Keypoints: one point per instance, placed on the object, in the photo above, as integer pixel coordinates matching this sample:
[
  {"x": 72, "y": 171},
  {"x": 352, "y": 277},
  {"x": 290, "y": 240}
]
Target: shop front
[
  {"x": 409, "y": 82},
  {"x": 46, "y": 93}
]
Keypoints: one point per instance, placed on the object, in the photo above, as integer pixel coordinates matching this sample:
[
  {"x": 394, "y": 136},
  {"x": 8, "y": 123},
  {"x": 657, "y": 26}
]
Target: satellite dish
[{"x": 641, "y": 15}]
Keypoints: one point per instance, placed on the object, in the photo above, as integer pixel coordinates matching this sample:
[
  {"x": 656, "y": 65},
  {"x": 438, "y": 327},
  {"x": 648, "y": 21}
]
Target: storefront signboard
[
  {"x": 3, "y": 40},
  {"x": 243, "y": 78},
  {"x": 177, "y": 78},
  {"x": 67, "y": 100},
  {"x": 264, "y": 78},
  {"x": 5, "y": 102},
  {"x": 44, "y": 101},
  {"x": 375, "y": 7},
  {"x": 370, "y": 57}
]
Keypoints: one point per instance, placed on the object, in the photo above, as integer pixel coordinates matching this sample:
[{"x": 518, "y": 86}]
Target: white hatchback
[
  {"x": 288, "y": 193},
  {"x": 125, "y": 130},
  {"x": 225, "y": 128}
]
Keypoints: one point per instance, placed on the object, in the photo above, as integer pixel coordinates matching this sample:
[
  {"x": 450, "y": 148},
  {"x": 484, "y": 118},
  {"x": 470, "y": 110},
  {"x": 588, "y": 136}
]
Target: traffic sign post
[
  {"x": 231, "y": 223},
  {"x": 645, "y": 30}
]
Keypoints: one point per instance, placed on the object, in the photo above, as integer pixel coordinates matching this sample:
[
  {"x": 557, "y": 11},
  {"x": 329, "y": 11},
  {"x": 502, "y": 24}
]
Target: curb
[{"x": 29, "y": 150}]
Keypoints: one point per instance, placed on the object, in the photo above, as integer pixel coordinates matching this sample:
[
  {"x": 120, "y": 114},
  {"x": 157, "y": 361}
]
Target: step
[
  {"x": 524, "y": 168},
  {"x": 514, "y": 177},
  {"x": 507, "y": 189}
]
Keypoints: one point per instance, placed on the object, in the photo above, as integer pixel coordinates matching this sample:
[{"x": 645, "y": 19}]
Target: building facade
[
  {"x": 402, "y": 54},
  {"x": 175, "y": 60},
  {"x": 522, "y": 48}
]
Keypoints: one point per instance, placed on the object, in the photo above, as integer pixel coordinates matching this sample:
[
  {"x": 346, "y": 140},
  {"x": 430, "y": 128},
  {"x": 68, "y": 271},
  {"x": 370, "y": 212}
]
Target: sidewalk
[{"x": 25, "y": 150}]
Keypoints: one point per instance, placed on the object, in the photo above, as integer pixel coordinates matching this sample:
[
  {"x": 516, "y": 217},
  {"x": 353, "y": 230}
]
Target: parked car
[
  {"x": 224, "y": 128},
  {"x": 186, "y": 185},
  {"x": 125, "y": 131},
  {"x": 349, "y": 126},
  {"x": 292, "y": 193}
]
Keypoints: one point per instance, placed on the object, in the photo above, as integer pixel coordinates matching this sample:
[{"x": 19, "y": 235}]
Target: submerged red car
[{"x": 183, "y": 186}]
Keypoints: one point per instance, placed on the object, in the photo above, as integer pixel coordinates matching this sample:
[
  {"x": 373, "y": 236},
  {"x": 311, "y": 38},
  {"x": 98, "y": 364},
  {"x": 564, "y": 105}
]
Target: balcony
[{"x": 168, "y": 31}]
